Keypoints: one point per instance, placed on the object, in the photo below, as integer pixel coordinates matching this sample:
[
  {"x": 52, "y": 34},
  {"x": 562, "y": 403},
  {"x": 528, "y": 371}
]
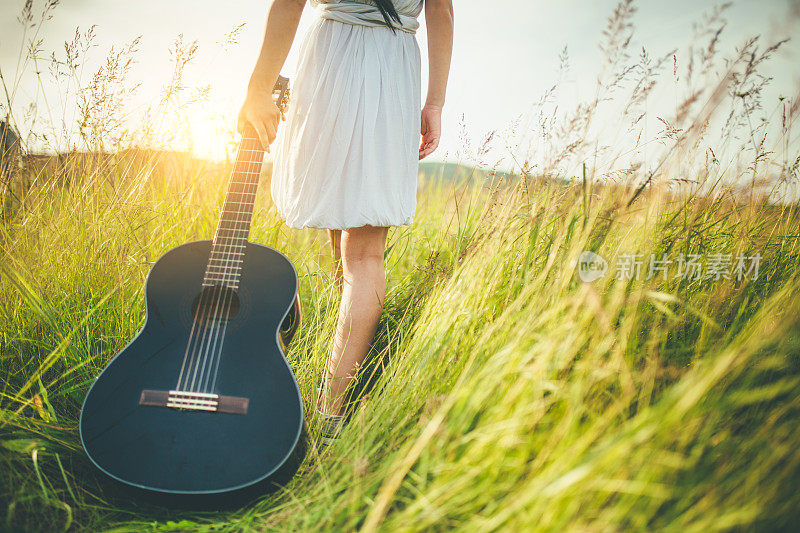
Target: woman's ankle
[{"x": 327, "y": 406}]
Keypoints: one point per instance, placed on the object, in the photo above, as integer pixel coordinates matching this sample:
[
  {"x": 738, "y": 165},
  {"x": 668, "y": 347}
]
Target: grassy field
[
  {"x": 511, "y": 394},
  {"x": 504, "y": 392}
]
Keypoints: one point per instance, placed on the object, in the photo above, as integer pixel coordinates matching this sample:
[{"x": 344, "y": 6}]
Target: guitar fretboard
[{"x": 230, "y": 239}]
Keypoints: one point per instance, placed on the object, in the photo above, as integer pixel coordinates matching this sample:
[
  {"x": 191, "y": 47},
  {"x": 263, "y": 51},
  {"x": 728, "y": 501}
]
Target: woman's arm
[
  {"x": 259, "y": 110},
  {"x": 439, "y": 20}
]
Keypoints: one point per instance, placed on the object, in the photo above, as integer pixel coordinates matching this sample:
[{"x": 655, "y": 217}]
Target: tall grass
[{"x": 503, "y": 393}]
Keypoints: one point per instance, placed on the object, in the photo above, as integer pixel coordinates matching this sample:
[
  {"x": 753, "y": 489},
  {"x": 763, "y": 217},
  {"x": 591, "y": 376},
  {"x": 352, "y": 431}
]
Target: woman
[{"x": 347, "y": 158}]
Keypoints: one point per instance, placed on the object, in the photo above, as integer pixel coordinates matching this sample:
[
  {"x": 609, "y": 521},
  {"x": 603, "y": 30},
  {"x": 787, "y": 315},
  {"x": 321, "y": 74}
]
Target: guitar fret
[
  {"x": 222, "y": 269},
  {"x": 242, "y": 197},
  {"x": 230, "y": 249},
  {"x": 211, "y": 282},
  {"x": 234, "y": 224},
  {"x": 246, "y": 173},
  {"x": 229, "y": 240},
  {"x": 238, "y": 250},
  {"x": 246, "y": 146},
  {"x": 227, "y": 251},
  {"x": 224, "y": 263}
]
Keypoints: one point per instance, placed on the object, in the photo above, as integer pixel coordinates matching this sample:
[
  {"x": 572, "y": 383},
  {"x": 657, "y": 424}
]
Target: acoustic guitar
[{"x": 202, "y": 408}]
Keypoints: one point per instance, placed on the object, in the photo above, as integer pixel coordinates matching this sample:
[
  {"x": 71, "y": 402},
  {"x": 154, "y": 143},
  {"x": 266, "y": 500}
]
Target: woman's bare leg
[
  {"x": 360, "y": 309},
  {"x": 335, "y": 236}
]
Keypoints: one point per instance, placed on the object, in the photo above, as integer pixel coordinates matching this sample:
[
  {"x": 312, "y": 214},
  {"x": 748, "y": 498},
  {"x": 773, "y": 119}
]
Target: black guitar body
[{"x": 192, "y": 457}]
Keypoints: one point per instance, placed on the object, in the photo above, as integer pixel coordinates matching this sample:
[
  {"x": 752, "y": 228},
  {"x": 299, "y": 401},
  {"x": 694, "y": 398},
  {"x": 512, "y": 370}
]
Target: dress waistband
[{"x": 362, "y": 14}]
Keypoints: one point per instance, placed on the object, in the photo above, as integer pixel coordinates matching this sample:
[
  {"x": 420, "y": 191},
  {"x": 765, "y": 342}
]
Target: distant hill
[
  {"x": 175, "y": 164},
  {"x": 433, "y": 170}
]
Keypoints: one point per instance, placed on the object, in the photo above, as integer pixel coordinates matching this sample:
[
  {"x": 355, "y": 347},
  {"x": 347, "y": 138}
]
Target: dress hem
[{"x": 322, "y": 225}]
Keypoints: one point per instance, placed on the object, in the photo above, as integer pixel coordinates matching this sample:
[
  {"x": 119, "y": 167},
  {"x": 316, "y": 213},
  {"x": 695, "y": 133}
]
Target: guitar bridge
[{"x": 194, "y": 401}]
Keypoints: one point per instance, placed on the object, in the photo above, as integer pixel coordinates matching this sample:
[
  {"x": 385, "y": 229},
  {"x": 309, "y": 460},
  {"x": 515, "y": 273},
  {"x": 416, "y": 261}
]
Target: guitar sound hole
[{"x": 215, "y": 305}]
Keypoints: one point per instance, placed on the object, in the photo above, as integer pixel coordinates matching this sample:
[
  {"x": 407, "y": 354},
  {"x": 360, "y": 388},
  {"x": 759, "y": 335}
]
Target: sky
[{"x": 506, "y": 54}]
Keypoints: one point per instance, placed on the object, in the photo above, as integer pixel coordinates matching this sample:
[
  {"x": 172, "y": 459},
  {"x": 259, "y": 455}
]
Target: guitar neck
[{"x": 233, "y": 229}]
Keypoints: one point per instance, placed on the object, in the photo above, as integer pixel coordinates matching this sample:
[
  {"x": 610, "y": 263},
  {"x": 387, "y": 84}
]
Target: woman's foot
[{"x": 331, "y": 428}]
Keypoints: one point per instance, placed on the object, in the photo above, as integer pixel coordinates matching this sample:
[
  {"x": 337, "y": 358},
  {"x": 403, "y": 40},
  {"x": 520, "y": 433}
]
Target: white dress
[{"x": 347, "y": 155}]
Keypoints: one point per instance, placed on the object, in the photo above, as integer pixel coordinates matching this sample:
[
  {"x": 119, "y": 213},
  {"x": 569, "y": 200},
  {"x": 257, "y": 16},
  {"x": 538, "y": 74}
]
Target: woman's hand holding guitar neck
[{"x": 259, "y": 111}]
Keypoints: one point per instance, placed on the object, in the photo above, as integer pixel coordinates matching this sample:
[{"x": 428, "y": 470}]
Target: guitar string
[
  {"x": 256, "y": 174},
  {"x": 241, "y": 220},
  {"x": 204, "y": 306},
  {"x": 216, "y": 350},
  {"x": 225, "y": 297},
  {"x": 200, "y": 311},
  {"x": 203, "y": 309},
  {"x": 227, "y": 272},
  {"x": 220, "y": 304},
  {"x": 189, "y": 344}
]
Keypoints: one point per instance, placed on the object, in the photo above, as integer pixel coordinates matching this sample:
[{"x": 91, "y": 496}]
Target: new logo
[{"x": 591, "y": 266}]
